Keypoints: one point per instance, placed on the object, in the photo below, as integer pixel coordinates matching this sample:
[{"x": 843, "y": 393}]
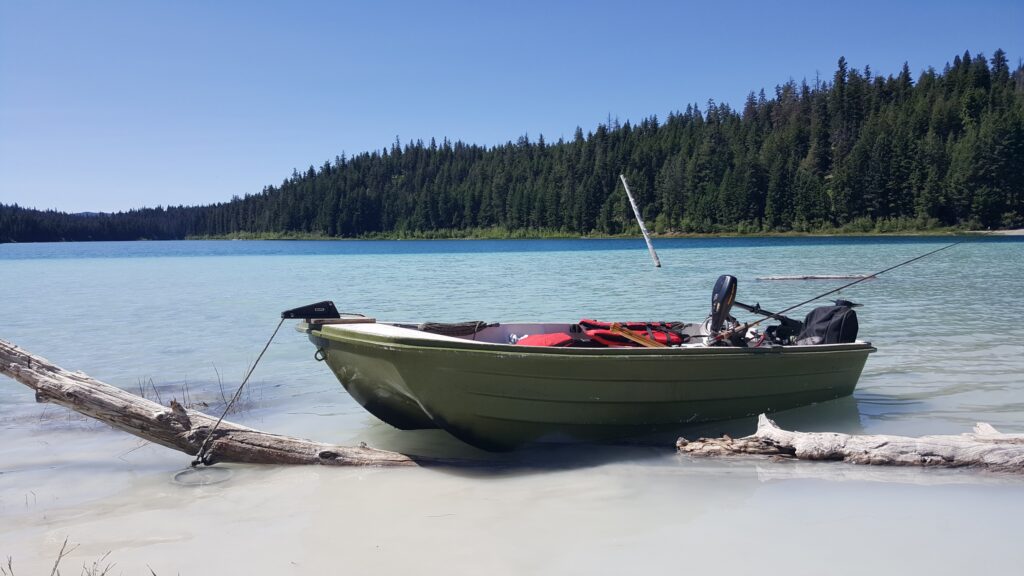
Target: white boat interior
[{"x": 515, "y": 333}]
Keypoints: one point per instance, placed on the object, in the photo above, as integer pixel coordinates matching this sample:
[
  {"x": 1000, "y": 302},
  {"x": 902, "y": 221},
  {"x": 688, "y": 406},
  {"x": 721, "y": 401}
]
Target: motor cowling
[{"x": 722, "y": 298}]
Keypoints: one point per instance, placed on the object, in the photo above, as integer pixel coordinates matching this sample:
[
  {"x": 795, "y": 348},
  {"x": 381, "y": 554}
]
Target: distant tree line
[{"x": 856, "y": 153}]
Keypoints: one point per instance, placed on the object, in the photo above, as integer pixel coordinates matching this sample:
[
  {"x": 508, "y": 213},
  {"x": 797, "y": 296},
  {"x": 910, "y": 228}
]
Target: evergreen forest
[{"x": 852, "y": 153}]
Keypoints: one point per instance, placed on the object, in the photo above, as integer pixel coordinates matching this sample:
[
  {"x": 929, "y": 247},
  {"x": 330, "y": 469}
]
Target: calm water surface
[{"x": 184, "y": 320}]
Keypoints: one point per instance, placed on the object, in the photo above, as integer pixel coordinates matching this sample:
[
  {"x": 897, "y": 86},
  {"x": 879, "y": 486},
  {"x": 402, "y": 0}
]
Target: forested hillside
[{"x": 856, "y": 152}]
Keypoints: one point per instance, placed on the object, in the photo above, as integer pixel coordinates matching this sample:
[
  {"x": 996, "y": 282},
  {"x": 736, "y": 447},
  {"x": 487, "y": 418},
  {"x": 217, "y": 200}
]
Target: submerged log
[
  {"x": 985, "y": 448},
  {"x": 818, "y": 277},
  {"x": 179, "y": 428}
]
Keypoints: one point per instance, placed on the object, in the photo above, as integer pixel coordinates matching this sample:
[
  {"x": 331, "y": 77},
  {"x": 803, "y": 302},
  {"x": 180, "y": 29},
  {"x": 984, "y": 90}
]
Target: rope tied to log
[
  {"x": 202, "y": 457},
  {"x": 182, "y": 429}
]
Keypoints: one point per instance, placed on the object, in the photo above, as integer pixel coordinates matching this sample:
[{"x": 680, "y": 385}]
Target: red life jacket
[
  {"x": 668, "y": 333},
  {"x": 664, "y": 332}
]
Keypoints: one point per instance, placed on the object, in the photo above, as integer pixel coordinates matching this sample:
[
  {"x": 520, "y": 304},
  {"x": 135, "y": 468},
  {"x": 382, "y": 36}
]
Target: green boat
[{"x": 487, "y": 385}]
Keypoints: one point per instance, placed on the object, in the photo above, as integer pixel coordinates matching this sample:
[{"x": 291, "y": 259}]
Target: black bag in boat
[{"x": 829, "y": 325}]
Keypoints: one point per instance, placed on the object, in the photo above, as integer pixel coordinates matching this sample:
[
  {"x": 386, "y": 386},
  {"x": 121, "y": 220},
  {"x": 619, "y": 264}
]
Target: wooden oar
[{"x": 617, "y": 328}]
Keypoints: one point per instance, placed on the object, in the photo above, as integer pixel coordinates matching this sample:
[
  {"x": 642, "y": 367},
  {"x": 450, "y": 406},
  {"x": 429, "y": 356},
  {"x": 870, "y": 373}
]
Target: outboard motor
[
  {"x": 830, "y": 325},
  {"x": 722, "y": 298}
]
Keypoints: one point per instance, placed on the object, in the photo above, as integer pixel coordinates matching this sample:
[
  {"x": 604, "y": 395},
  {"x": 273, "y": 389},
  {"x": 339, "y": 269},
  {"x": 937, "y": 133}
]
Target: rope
[{"x": 201, "y": 456}]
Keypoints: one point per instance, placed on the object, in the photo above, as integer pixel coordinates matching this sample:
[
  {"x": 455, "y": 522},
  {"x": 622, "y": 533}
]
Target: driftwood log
[
  {"x": 985, "y": 448},
  {"x": 179, "y": 428}
]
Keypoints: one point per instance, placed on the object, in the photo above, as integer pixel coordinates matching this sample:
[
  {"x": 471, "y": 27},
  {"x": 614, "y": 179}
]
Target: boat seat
[
  {"x": 455, "y": 328},
  {"x": 557, "y": 339}
]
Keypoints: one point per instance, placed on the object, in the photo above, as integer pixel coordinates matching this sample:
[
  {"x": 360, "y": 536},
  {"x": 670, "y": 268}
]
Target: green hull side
[
  {"x": 376, "y": 383},
  {"x": 499, "y": 397}
]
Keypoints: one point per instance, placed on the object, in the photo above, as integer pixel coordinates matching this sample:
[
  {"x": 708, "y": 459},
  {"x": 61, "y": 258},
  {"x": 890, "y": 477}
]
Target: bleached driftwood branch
[
  {"x": 177, "y": 427},
  {"x": 984, "y": 448}
]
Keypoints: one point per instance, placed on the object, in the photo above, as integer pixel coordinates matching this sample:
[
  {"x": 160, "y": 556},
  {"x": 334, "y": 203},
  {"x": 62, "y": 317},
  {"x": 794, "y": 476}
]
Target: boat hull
[{"x": 498, "y": 397}]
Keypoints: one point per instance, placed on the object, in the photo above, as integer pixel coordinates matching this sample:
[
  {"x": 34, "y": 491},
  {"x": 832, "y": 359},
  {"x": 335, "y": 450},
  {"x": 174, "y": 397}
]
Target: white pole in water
[{"x": 640, "y": 221}]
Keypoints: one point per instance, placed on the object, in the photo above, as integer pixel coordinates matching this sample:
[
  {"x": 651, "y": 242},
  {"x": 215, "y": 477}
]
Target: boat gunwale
[{"x": 341, "y": 335}]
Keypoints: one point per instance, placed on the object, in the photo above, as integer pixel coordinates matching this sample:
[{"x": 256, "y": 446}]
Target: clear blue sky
[{"x": 114, "y": 105}]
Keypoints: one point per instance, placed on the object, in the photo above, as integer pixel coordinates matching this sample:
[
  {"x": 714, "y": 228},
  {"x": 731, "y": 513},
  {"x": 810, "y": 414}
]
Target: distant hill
[{"x": 858, "y": 153}]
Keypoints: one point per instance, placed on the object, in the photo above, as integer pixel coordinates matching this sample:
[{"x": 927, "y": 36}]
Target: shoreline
[
  {"x": 672, "y": 235},
  {"x": 944, "y": 232}
]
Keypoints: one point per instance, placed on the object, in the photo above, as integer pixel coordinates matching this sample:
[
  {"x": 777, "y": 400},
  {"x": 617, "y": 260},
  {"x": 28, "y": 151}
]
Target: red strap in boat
[{"x": 669, "y": 338}]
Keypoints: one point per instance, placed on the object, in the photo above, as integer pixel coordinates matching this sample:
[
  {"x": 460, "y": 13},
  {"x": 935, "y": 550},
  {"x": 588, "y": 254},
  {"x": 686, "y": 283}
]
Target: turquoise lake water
[{"x": 185, "y": 319}]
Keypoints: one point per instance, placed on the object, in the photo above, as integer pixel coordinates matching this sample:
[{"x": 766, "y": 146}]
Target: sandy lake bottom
[{"x": 651, "y": 512}]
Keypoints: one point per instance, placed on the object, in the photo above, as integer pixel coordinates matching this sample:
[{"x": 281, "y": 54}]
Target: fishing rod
[
  {"x": 747, "y": 325},
  {"x": 756, "y": 309}
]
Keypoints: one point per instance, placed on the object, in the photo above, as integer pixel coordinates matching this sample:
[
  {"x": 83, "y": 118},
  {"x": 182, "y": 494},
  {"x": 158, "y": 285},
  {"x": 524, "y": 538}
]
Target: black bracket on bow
[{"x": 325, "y": 309}]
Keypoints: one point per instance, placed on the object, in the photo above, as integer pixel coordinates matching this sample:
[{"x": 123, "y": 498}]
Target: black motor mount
[{"x": 784, "y": 333}]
